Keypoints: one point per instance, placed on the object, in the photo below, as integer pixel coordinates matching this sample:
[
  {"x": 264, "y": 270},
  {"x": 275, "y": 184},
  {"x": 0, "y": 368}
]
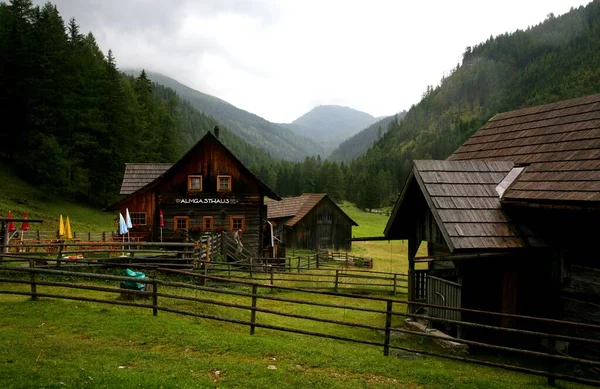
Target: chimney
[{"x": 217, "y": 131}]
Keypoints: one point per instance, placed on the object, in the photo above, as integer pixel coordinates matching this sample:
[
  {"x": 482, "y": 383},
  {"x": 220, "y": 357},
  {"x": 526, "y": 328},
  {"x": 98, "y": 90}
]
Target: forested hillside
[
  {"x": 555, "y": 60},
  {"x": 278, "y": 141},
  {"x": 361, "y": 142},
  {"x": 71, "y": 120}
]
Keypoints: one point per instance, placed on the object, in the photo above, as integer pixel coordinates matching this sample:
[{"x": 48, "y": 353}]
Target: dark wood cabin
[
  {"x": 208, "y": 190},
  {"x": 509, "y": 219},
  {"x": 311, "y": 221}
]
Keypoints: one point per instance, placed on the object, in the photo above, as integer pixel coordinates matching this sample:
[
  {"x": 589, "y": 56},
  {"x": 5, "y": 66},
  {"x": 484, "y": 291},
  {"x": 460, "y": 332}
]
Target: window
[
  {"x": 237, "y": 222},
  {"x": 223, "y": 183},
  {"x": 326, "y": 216},
  {"x": 138, "y": 218},
  {"x": 195, "y": 183},
  {"x": 180, "y": 222},
  {"x": 207, "y": 223}
]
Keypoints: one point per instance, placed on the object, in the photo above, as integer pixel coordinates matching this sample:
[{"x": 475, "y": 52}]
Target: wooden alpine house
[
  {"x": 311, "y": 221},
  {"x": 510, "y": 220},
  {"x": 207, "y": 191}
]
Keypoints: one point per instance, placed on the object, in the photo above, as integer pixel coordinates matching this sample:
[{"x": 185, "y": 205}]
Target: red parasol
[
  {"x": 25, "y": 225},
  {"x": 11, "y": 225},
  {"x": 161, "y": 223}
]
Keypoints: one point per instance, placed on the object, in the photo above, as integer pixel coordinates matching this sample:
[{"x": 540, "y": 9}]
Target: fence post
[
  {"x": 103, "y": 236},
  {"x": 271, "y": 275},
  {"x": 59, "y": 255},
  {"x": 551, "y": 362},
  {"x": 337, "y": 273},
  {"x": 89, "y": 236},
  {"x": 388, "y": 326},
  {"x": 154, "y": 298},
  {"x": 395, "y": 284},
  {"x": 298, "y": 264},
  {"x": 308, "y": 257},
  {"x": 253, "y": 311},
  {"x": 318, "y": 260},
  {"x": 38, "y": 236},
  {"x": 33, "y": 277}
]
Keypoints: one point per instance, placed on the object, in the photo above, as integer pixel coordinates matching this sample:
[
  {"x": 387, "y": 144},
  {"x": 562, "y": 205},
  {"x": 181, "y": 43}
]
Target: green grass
[
  {"x": 389, "y": 256},
  {"x": 369, "y": 223},
  {"x": 58, "y": 344},
  {"x": 68, "y": 344},
  {"x": 42, "y": 205}
]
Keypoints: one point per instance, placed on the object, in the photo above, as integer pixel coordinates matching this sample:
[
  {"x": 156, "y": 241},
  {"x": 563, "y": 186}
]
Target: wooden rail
[{"x": 160, "y": 299}]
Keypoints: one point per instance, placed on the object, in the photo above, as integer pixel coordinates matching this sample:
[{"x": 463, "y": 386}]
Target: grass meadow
[{"x": 53, "y": 343}]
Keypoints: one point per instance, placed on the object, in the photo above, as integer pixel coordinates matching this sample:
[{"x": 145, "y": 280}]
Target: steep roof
[
  {"x": 297, "y": 207},
  {"x": 463, "y": 199},
  {"x": 558, "y": 143},
  {"x": 138, "y": 175},
  {"x": 208, "y": 136}
]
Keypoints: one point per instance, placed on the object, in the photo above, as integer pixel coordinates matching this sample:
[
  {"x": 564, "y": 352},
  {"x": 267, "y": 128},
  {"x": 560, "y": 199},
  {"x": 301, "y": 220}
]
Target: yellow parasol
[
  {"x": 68, "y": 233},
  {"x": 61, "y": 227}
]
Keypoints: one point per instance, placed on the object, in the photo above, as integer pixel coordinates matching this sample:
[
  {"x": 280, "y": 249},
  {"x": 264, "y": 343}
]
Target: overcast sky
[{"x": 279, "y": 59}]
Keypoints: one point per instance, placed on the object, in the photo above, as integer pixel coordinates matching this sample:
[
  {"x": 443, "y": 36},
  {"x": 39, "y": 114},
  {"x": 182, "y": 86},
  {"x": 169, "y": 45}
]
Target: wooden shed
[
  {"x": 311, "y": 221},
  {"x": 509, "y": 218},
  {"x": 207, "y": 190}
]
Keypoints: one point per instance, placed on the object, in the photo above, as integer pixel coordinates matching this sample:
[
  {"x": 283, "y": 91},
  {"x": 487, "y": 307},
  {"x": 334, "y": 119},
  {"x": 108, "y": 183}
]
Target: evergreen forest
[{"x": 71, "y": 119}]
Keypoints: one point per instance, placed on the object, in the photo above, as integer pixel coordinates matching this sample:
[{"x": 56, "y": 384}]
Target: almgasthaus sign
[{"x": 207, "y": 201}]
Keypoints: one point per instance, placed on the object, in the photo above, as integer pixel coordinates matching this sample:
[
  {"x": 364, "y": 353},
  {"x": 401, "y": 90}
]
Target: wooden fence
[
  {"x": 147, "y": 255},
  {"x": 279, "y": 271},
  {"x": 163, "y": 298}
]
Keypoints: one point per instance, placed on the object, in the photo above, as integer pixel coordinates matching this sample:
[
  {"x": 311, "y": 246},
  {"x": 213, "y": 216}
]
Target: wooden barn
[
  {"x": 510, "y": 218},
  {"x": 311, "y": 221},
  {"x": 207, "y": 190}
]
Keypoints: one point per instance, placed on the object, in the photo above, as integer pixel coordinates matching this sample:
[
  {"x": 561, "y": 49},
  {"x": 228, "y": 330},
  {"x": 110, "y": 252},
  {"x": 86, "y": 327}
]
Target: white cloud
[{"x": 279, "y": 59}]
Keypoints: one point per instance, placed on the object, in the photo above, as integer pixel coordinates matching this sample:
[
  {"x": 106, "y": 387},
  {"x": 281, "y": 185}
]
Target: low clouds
[{"x": 278, "y": 59}]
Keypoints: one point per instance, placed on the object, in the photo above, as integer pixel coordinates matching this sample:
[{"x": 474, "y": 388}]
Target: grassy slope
[
  {"x": 57, "y": 344},
  {"x": 40, "y": 205},
  {"x": 389, "y": 256},
  {"x": 68, "y": 344}
]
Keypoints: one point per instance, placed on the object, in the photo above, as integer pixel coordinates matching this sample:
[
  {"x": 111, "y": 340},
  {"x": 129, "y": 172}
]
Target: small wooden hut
[
  {"x": 311, "y": 221},
  {"x": 509, "y": 218}
]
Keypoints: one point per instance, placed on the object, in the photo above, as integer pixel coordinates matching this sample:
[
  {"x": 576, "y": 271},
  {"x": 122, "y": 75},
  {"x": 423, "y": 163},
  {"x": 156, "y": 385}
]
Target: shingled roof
[
  {"x": 558, "y": 143},
  {"x": 463, "y": 199},
  {"x": 295, "y": 208},
  {"x": 138, "y": 175}
]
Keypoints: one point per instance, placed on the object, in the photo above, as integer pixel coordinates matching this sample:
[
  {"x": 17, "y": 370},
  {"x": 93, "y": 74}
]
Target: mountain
[
  {"x": 330, "y": 124},
  {"x": 361, "y": 142},
  {"x": 193, "y": 125},
  {"x": 552, "y": 61},
  {"x": 278, "y": 141}
]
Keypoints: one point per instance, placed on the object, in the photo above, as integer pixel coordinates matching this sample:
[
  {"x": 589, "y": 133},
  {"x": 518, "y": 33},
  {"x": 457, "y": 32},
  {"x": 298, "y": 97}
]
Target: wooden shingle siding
[
  {"x": 562, "y": 140},
  {"x": 465, "y": 206},
  {"x": 137, "y": 175}
]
